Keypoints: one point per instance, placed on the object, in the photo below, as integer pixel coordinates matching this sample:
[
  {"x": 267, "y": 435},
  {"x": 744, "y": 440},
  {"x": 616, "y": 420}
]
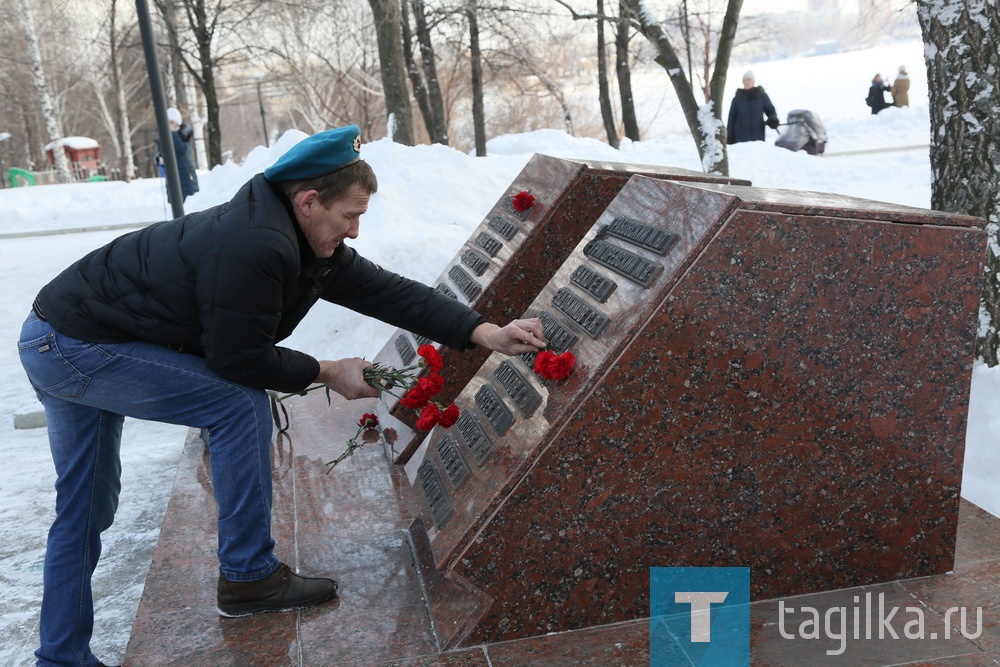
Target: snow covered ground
[{"x": 429, "y": 200}]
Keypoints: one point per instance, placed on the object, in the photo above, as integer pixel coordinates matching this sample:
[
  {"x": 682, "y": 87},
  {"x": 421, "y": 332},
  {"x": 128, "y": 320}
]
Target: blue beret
[{"x": 317, "y": 155}]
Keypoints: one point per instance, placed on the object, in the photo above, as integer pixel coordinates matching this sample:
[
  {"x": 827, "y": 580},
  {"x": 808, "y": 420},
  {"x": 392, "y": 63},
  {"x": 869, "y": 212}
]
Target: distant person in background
[
  {"x": 182, "y": 133},
  {"x": 901, "y": 88},
  {"x": 747, "y": 113},
  {"x": 876, "y": 95}
]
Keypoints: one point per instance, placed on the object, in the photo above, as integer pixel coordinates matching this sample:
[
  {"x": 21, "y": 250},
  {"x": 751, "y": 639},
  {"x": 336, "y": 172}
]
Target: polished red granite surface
[
  {"x": 788, "y": 393},
  {"x": 349, "y": 530},
  {"x": 512, "y": 255}
]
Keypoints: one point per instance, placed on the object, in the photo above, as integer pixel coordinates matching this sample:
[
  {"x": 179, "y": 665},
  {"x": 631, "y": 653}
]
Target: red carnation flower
[
  {"x": 415, "y": 398},
  {"x": 522, "y": 201},
  {"x": 368, "y": 420},
  {"x": 431, "y": 385},
  {"x": 432, "y": 358},
  {"x": 429, "y": 417},
  {"x": 552, "y": 366},
  {"x": 561, "y": 366},
  {"x": 449, "y": 416}
]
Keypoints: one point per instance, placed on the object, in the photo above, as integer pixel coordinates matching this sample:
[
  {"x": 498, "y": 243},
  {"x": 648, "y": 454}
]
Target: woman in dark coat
[
  {"x": 747, "y": 112},
  {"x": 876, "y": 95}
]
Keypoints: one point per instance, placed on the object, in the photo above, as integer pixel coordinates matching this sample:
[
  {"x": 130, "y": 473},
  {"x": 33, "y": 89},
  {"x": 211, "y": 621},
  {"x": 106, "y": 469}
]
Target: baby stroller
[{"x": 805, "y": 132}]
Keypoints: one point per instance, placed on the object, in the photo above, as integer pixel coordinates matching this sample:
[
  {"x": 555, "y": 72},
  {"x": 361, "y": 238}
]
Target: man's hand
[
  {"x": 344, "y": 376},
  {"x": 516, "y": 338}
]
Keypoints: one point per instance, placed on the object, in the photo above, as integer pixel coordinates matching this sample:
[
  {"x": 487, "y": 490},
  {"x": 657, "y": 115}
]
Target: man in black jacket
[{"x": 181, "y": 322}]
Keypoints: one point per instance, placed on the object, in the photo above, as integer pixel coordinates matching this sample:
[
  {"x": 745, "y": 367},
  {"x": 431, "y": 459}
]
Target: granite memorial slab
[
  {"x": 509, "y": 258},
  {"x": 764, "y": 378}
]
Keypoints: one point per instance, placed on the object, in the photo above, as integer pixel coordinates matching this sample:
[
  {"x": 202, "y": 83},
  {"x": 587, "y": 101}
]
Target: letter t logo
[{"x": 701, "y": 611}]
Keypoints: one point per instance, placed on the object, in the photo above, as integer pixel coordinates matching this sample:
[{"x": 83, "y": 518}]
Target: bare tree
[
  {"x": 476, "y": 65},
  {"x": 44, "y": 98},
  {"x": 603, "y": 88},
  {"x": 388, "y": 30},
  {"x": 210, "y": 38},
  {"x": 111, "y": 81},
  {"x": 423, "y": 76},
  {"x": 704, "y": 120},
  {"x": 962, "y": 39},
  {"x": 325, "y": 70},
  {"x": 623, "y": 71}
]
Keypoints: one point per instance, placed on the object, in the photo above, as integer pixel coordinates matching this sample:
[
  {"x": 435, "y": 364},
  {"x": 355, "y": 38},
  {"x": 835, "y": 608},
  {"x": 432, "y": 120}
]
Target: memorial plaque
[
  {"x": 497, "y": 414},
  {"x": 475, "y": 261},
  {"x": 642, "y": 234},
  {"x": 444, "y": 289},
  {"x": 589, "y": 319},
  {"x": 490, "y": 244},
  {"x": 453, "y": 461},
  {"x": 796, "y": 371},
  {"x": 405, "y": 349},
  {"x": 466, "y": 285},
  {"x": 559, "y": 338},
  {"x": 526, "y": 398},
  {"x": 421, "y": 340},
  {"x": 593, "y": 283},
  {"x": 435, "y": 494},
  {"x": 634, "y": 267},
  {"x": 508, "y": 205},
  {"x": 503, "y": 227},
  {"x": 523, "y": 250},
  {"x": 472, "y": 432}
]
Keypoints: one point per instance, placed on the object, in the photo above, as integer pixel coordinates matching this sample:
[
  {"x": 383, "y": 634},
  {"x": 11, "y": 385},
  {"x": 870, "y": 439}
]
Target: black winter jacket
[
  {"x": 746, "y": 115},
  {"x": 229, "y": 283}
]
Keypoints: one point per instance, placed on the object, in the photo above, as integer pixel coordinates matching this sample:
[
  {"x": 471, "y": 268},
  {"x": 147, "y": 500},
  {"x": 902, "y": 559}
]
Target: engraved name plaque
[
  {"x": 488, "y": 243},
  {"x": 475, "y": 261},
  {"x": 504, "y": 228},
  {"x": 642, "y": 235},
  {"x": 434, "y": 491},
  {"x": 444, "y": 289},
  {"x": 475, "y": 437},
  {"x": 421, "y": 340},
  {"x": 508, "y": 205},
  {"x": 557, "y": 336},
  {"x": 590, "y": 320},
  {"x": 494, "y": 409},
  {"x": 623, "y": 262},
  {"x": 454, "y": 462},
  {"x": 405, "y": 350},
  {"x": 525, "y": 397},
  {"x": 593, "y": 283},
  {"x": 466, "y": 284}
]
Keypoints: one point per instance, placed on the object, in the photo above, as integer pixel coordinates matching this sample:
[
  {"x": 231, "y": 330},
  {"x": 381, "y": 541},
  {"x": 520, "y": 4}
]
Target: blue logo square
[{"x": 699, "y": 616}]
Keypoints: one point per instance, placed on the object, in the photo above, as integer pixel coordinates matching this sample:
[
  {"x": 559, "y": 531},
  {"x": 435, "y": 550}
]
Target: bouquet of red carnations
[{"x": 414, "y": 391}]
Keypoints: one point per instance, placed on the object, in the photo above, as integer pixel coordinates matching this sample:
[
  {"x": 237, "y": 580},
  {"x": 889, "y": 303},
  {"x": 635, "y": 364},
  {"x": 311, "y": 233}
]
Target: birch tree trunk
[
  {"x": 122, "y": 125},
  {"x": 44, "y": 99},
  {"x": 961, "y": 47}
]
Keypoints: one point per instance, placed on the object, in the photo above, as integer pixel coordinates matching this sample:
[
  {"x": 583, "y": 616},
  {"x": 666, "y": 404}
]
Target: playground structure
[{"x": 83, "y": 155}]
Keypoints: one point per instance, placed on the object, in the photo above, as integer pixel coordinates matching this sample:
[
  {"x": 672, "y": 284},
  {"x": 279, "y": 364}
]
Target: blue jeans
[{"x": 87, "y": 390}]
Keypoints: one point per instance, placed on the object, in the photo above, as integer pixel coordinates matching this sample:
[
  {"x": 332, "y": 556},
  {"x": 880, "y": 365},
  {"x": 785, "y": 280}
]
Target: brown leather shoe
[{"x": 282, "y": 590}]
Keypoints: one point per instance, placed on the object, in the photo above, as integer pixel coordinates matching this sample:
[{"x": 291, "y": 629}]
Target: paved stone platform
[{"x": 350, "y": 522}]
